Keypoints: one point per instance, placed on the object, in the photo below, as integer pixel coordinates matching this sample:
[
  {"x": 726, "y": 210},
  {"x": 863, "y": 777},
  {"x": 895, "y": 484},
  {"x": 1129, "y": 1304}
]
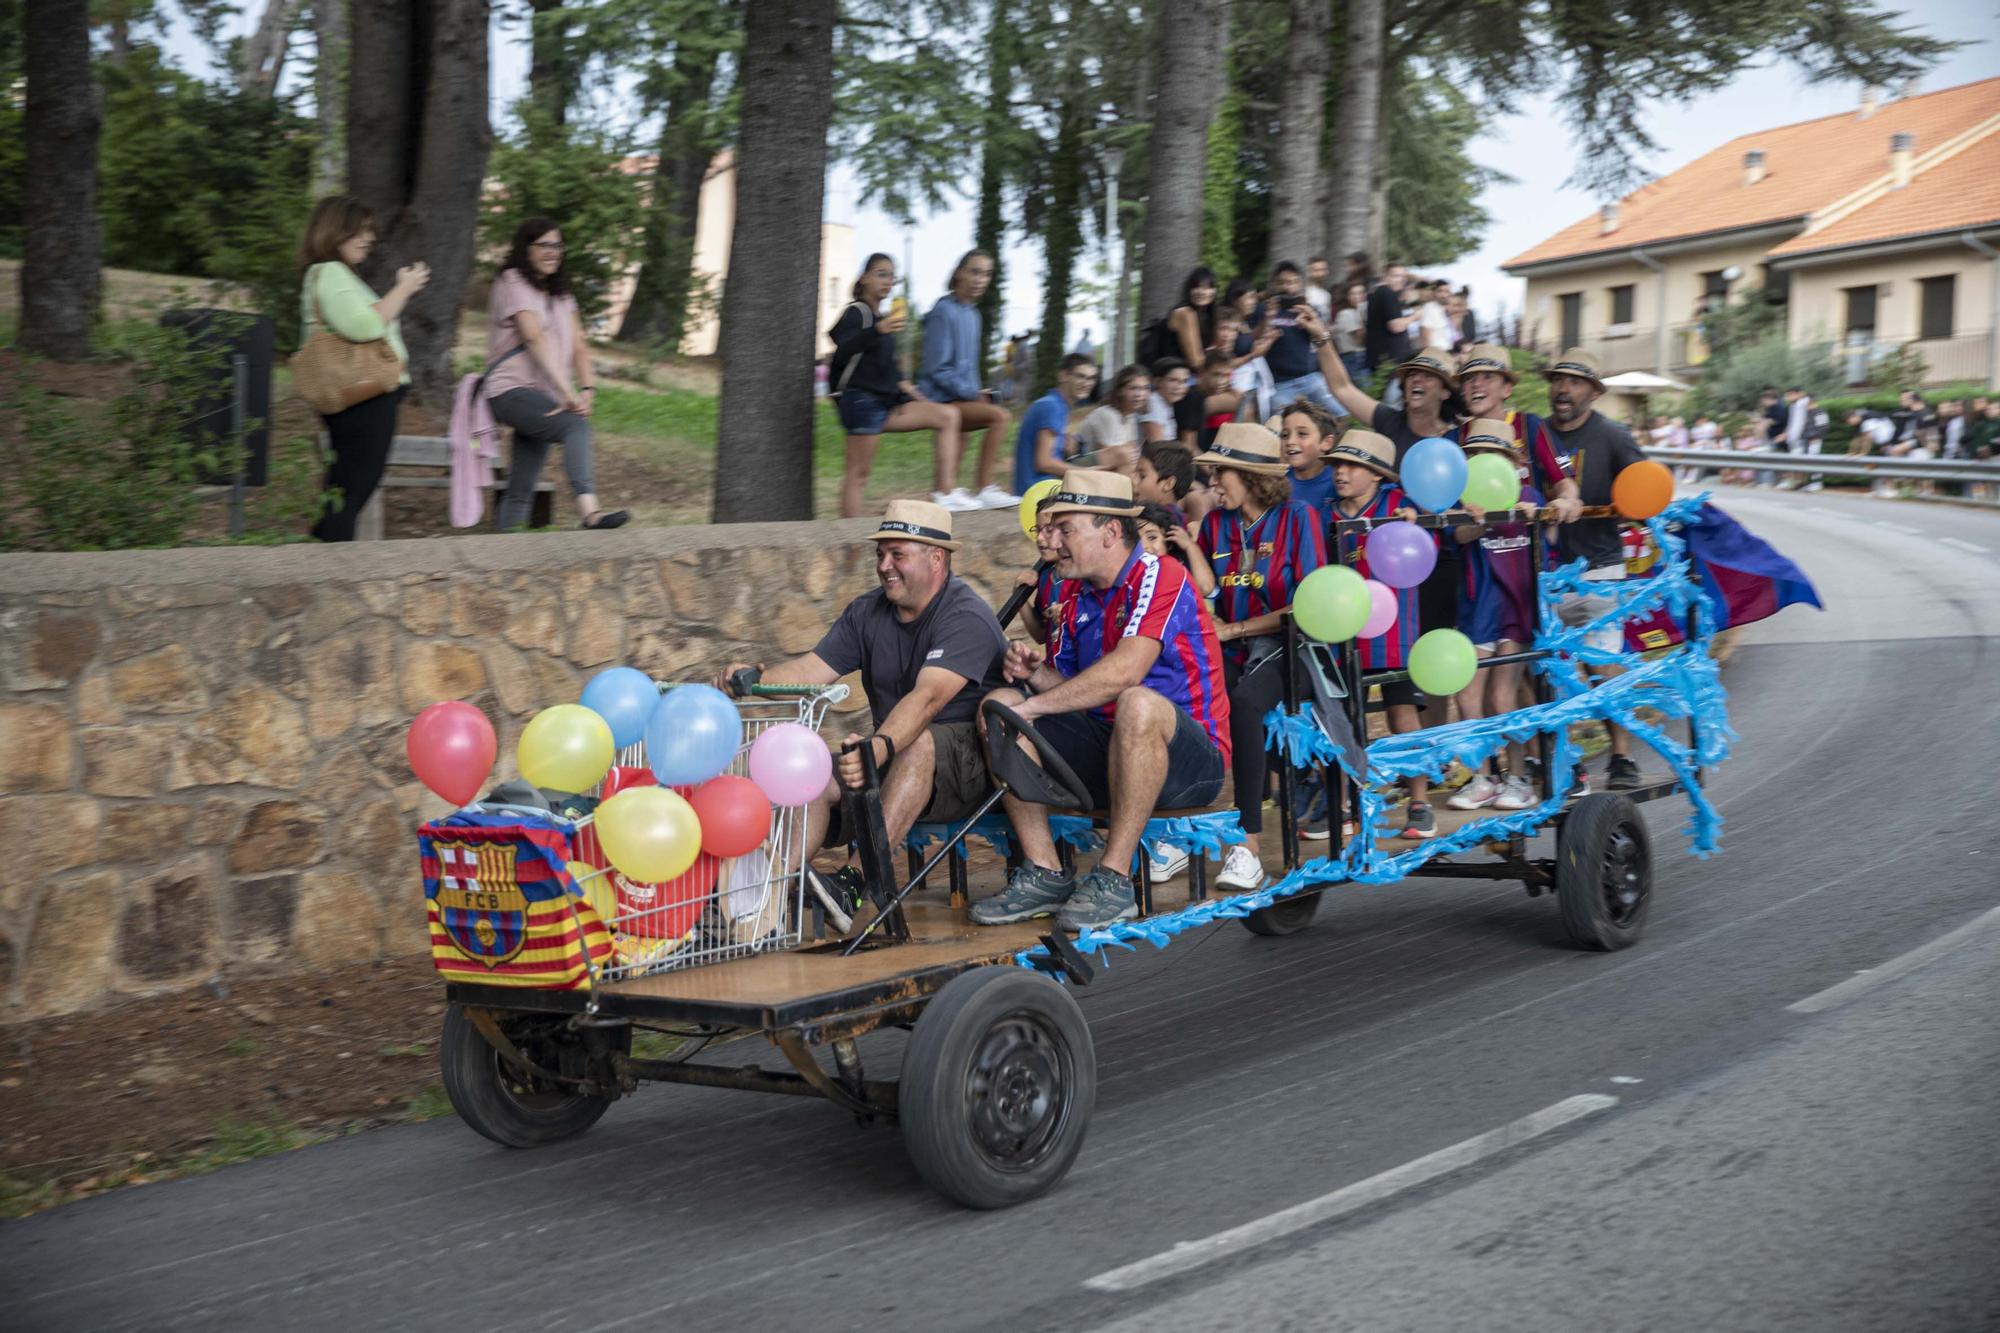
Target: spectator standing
[
  {"x": 542, "y": 383},
  {"x": 950, "y": 375},
  {"x": 1041, "y": 448},
  {"x": 870, "y": 390},
  {"x": 1704, "y": 434},
  {"x": 1433, "y": 322},
  {"x": 338, "y": 238},
  {"x": 1290, "y": 356},
  {"x": 1350, "y": 329},
  {"x": 1464, "y": 324},
  {"x": 1319, "y": 274},
  {"x": 1192, "y": 322},
  {"x": 1386, "y": 334},
  {"x": 1109, "y": 437},
  {"x": 1775, "y": 417}
]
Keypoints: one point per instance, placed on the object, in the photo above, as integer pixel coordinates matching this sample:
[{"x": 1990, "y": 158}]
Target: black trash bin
[{"x": 220, "y": 335}]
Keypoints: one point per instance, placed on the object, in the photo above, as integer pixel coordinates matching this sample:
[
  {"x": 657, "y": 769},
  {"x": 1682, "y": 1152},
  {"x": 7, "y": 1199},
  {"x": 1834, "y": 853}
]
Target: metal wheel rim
[
  {"x": 1017, "y": 1092},
  {"x": 1626, "y": 874},
  {"x": 541, "y": 1043}
]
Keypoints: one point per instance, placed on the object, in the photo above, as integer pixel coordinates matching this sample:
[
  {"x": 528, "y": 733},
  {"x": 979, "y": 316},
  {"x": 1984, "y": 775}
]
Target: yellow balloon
[
  {"x": 566, "y": 748},
  {"x": 596, "y": 886},
  {"x": 650, "y": 833},
  {"x": 1032, "y": 497}
]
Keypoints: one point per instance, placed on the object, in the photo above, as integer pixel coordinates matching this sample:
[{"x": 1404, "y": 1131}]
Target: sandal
[{"x": 606, "y": 518}]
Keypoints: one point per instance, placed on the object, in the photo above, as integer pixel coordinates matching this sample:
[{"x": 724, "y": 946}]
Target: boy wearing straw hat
[
  {"x": 1129, "y": 691},
  {"x": 927, "y": 647}
]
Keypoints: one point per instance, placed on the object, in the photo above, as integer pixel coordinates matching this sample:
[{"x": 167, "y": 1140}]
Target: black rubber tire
[
  {"x": 1287, "y": 916},
  {"x": 1604, "y": 872},
  {"x": 493, "y": 1099},
  {"x": 989, "y": 1039}
]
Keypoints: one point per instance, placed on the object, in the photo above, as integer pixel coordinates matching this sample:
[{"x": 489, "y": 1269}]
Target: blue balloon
[
  {"x": 625, "y": 699},
  {"x": 693, "y": 735},
  {"x": 1433, "y": 473}
]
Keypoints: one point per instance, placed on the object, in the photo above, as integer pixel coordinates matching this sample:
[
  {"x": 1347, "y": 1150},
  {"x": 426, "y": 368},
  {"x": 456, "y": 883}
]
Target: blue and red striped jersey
[
  {"x": 1156, "y": 599},
  {"x": 1259, "y": 565},
  {"x": 1389, "y": 651}
]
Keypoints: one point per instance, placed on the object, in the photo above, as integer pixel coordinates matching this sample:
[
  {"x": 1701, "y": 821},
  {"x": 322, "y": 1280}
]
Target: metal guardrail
[{"x": 1834, "y": 465}]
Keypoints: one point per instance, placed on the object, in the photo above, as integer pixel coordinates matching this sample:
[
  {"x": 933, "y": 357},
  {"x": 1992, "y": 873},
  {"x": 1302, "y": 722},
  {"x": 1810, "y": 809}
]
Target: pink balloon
[
  {"x": 451, "y": 748},
  {"x": 1401, "y": 554},
  {"x": 1382, "y": 613},
  {"x": 790, "y": 764}
]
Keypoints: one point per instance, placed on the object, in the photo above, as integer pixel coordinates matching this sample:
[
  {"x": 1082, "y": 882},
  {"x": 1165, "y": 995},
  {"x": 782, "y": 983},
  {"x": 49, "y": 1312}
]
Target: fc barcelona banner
[{"x": 503, "y": 908}]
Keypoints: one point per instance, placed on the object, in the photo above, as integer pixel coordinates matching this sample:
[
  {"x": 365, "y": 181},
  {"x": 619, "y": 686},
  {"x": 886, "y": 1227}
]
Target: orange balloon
[{"x": 1643, "y": 489}]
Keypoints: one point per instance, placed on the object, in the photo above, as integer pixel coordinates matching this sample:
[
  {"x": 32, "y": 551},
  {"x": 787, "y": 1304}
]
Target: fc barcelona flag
[
  {"x": 1744, "y": 577},
  {"x": 502, "y": 906}
]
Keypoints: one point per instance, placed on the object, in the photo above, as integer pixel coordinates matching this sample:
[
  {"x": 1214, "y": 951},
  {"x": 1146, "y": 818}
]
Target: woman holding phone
[
  {"x": 870, "y": 392},
  {"x": 951, "y": 375}
]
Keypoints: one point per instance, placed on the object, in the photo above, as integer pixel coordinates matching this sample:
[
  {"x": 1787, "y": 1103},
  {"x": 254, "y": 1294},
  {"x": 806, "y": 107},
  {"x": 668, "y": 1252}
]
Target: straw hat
[
  {"x": 1575, "y": 361},
  {"x": 1088, "y": 491},
  {"x": 915, "y": 521},
  {"x": 1246, "y": 446},
  {"x": 1375, "y": 452},
  {"x": 1484, "y": 435},
  {"x": 1487, "y": 356},
  {"x": 1430, "y": 363}
]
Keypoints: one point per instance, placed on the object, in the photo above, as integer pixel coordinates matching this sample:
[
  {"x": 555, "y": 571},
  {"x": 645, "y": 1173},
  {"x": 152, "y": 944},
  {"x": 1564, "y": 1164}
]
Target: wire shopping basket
[{"x": 721, "y": 908}]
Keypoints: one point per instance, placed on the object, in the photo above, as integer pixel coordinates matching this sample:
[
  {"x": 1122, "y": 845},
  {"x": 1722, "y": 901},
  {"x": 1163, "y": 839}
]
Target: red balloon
[
  {"x": 451, "y": 747},
  {"x": 735, "y": 815}
]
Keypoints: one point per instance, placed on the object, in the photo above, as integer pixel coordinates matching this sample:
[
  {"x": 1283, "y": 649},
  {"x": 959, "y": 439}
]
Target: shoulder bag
[{"x": 333, "y": 374}]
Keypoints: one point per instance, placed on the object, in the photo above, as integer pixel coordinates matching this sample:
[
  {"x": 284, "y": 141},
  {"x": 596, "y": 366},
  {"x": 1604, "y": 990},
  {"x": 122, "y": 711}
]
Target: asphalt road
[{"x": 1760, "y": 1168}]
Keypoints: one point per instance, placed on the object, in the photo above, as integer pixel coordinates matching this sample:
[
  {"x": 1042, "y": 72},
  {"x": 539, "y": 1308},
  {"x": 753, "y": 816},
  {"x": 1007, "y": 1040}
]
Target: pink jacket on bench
[{"x": 475, "y": 442}]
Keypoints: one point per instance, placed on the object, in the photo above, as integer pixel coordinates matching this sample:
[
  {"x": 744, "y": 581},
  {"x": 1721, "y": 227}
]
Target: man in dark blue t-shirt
[
  {"x": 1041, "y": 449},
  {"x": 1294, "y": 368}
]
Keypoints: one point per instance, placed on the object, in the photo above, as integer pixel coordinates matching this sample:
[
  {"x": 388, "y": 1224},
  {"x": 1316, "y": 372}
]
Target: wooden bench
[{"x": 433, "y": 452}]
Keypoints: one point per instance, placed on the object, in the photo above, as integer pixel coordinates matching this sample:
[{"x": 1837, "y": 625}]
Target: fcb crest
[{"x": 479, "y": 900}]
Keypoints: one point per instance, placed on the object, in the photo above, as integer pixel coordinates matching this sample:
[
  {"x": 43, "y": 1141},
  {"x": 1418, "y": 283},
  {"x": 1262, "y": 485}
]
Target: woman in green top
[{"x": 338, "y": 237}]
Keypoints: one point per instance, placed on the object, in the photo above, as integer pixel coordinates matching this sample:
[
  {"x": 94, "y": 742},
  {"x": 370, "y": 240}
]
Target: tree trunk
[
  {"x": 764, "y": 431},
  {"x": 659, "y": 307},
  {"x": 264, "y": 51},
  {"x": 61, "y": 239},
  {"x": 1062, "y": 238},
  {"x": 1378, "y": 173},
  {"x": 989, "y": 230},
  {"x": 1193, "y": 49},
  {"x": 1296, "y": 218},
  {"x": 551, "y": 81},
  {"x": 330, "y": 96},
  {"x": 418, "y": 138},
  {"x": 1357, "y": 138}
]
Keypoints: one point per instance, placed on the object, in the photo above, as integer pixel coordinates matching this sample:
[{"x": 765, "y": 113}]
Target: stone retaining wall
[{"x": 201, "y": 751}]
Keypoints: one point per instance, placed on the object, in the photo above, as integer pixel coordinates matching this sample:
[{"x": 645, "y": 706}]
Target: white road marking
[
  {"x": 1626, "y": 1078},
  {"x": 1900, "y": 966},
  {"x": 1822, "y": 509},
  {"x": 1974, "y": 547},
  {"x": 1351, "y": 1198},
  {"x": 1898, "y": 527}
]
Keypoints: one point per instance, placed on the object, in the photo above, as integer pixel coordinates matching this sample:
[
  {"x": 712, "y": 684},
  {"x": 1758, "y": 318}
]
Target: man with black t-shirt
[
  {"x": 1388, "y": 336},
  {"x": 1598, "y": 449}
]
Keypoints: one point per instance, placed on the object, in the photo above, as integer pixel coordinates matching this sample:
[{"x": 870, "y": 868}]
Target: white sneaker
[
  {"x": 958, "y": 502},
  {"x": 1241, "y": 870},
  {"x": 1475, "y": 795},
  {"x": 1516, "y": 793},
  {"x": 1164, "y": 861},
  {"x": 994, "y": 497},
  {"x": 1814, "y": 486}
]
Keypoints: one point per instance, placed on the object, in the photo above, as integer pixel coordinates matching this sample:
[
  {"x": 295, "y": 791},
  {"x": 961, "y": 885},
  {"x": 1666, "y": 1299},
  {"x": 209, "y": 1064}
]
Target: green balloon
[
  {"x": 1442, "y": 662},
  {"x": 1332, "y": 604},
  {"x": 1491, "y": 482}
]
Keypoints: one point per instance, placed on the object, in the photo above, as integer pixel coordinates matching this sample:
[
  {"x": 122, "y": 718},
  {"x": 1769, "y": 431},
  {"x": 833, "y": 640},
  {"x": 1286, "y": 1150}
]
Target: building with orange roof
[{"x": 1877, "y": 229}]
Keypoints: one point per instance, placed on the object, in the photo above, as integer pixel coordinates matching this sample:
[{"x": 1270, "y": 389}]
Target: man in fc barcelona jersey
[{"x": 1129, "y": 691}]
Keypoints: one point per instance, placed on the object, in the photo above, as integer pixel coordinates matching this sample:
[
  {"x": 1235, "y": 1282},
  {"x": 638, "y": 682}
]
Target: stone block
[
  {"x": 128, "y": 761},
  {"x": 432, "y": 671},
  {"x": 44, "y": 836},
  {"x": 534, "y": 621},
  {"x": 227, "y": 638},
  {"x": 252, "y": 734},
  {"x": 344, "y": 776},
  {"x": 277, "y": 835},
  {"x": 215, "y": 821},
  {"x": 39, "y": 746},
  {"x": 667, "y": 653},
  {"x": 338, "y": 920},
  {"x": 166, "y": 681},
  {"x": 333, "y": 607},
  {"x": 597, "y": 634},
  {"x": 427, "y": 608},
  {"x": 167, "y": 928},
  {"x": 57, "y": 646},
  {"x": 350, "y": 680},
  {"x": 475, "y": 609},
  {"x": 68, "y": 962},
  {"x": 258, "y": 916},
  {"x": 96, "y": 706},
  {"x": 513, "y": 683},
  {"x": 380, "y": 597},
  {"x": 555, "y": 682},
  {"x": 379, "y": 843},
  {"x": 147, "y": 832},
  {"x": 284, "y": 601}
]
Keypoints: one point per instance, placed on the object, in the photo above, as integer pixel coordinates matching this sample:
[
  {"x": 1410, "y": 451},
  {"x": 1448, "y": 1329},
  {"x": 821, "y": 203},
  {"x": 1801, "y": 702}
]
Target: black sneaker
[
  {"x": 1420, "y": 822},
  {"x": 1102, "y": 897},
  {"x": 1622, "y": 775},
  {"x": 1531, "y": 769}
]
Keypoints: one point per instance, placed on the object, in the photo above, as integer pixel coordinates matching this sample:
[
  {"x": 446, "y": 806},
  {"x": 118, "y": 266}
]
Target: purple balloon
[{"x": 1401, "y": 554}]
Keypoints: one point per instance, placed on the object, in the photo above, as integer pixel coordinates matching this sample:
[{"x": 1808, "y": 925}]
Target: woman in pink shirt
[{"x": 540, "y": 380}]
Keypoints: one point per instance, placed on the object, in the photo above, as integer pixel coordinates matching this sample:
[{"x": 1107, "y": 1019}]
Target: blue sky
[{"x": 1536, "y": 205}]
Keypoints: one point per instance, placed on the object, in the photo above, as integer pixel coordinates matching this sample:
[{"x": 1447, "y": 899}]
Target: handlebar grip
[{"x": 743, "y": 680}]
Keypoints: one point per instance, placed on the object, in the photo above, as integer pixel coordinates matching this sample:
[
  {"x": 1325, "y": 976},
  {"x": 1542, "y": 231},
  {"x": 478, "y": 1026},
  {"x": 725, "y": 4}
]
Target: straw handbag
[{"x": 333, "y": 374}]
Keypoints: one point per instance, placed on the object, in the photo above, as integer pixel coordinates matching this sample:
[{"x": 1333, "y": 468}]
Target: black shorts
[
  {"x": 959, "y": 780},
  {"x": 1194, "y": 765},
  {"x": 1404, "y": 692}
]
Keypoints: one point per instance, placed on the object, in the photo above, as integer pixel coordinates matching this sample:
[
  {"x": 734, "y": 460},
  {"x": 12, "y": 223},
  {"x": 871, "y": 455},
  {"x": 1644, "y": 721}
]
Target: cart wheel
[
  {"x": 1604, "y": 872},
  {"x": 998, "y": 1086},
  {"x": 499, "y": 1101},
  {"x": 1287, "y": 916}
]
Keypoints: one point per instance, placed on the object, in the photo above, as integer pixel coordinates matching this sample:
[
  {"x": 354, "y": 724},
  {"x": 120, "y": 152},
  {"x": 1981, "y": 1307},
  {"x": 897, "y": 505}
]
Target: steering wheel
[{"x": 1052, "y": 782}]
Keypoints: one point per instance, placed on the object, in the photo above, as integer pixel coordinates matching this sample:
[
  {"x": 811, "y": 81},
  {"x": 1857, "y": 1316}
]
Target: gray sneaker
[
  {"x": 1031, "y": 892},
  {"x": 1102, "y": 897}
]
